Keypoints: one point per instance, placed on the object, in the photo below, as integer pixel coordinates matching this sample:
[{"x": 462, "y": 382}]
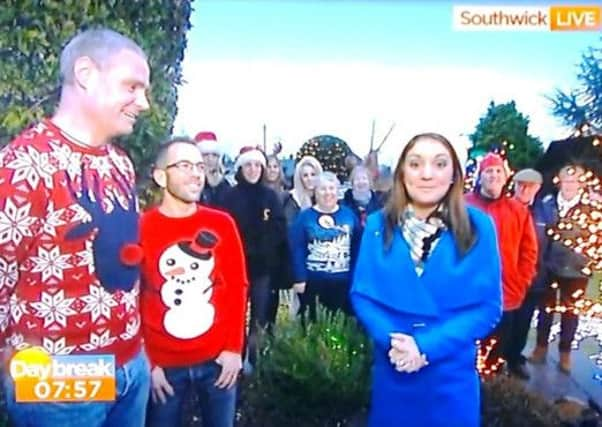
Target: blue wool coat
[{"x": 455, "y": 302}]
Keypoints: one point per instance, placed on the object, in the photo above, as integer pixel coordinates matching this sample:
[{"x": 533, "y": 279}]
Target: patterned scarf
[
  {"x": 564, "y": 205},
  {"x": 422, "y": 235}
]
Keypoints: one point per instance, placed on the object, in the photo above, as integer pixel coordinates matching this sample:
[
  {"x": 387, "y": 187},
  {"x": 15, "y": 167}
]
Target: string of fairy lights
[{"x": 587, "y": 218}]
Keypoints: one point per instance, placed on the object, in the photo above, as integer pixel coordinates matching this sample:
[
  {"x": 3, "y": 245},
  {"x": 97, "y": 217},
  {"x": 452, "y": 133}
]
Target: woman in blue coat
[{"x": 427, "y": 285}]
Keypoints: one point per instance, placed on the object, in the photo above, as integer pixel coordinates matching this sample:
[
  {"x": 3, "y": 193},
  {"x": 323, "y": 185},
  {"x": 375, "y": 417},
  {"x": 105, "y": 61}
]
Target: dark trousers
[
  {"x": 568, "y": 320},
  {"x": 332, "y": 294},
  {"x": 264, "y": 305},
  {"x": 508, "y": 340},
  {"x": 523, "y": 319},
  {"x": 273, "y": 305}
]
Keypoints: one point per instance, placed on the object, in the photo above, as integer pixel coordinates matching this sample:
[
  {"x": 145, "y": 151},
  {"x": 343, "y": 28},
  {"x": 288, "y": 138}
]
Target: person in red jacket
[
  {"x": 193, "y": 301},
  {"x": 518, "y": 249}
]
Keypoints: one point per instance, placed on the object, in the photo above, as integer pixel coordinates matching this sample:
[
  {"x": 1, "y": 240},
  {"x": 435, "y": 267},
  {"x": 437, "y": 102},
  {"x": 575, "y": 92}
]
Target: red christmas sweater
[
  {"x": 68, "y": 215},
  {"x": 194, "y": 292},
  {"x": 517, "y": 242}
]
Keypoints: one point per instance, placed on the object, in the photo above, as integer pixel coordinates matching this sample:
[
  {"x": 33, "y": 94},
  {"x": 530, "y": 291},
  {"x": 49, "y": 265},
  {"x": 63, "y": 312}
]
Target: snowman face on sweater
[
  {"x": 187, "y": 289},
  {"x": 178, "y": 265}
]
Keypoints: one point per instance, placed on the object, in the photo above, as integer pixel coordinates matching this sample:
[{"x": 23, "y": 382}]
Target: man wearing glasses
[{"x": 194, "y": 294}]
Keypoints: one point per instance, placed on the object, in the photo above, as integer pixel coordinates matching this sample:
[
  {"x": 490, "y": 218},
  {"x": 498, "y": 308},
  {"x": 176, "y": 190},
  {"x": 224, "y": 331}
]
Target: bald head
[{"x": 100, "y": 45}]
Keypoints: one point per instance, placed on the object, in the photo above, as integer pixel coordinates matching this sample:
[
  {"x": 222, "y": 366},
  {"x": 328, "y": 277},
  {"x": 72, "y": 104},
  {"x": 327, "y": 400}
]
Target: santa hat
[
  {"x": 250, "y": 154},
  {"x": 207, "y": 143},
  {"x": 491, "y": 160}
]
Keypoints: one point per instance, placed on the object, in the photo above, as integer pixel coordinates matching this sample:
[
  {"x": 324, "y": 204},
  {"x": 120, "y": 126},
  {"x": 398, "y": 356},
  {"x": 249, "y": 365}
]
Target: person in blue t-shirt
[{"x": 323, "y": 242}]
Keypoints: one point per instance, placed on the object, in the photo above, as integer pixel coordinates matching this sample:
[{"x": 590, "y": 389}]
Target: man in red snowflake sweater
[
  {"x": 193, "y": 299},
  {"x": 69, "y": 280}
]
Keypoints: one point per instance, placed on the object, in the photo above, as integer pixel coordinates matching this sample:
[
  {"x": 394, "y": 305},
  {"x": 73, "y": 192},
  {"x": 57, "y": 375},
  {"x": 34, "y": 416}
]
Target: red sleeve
[
  {"x": 236, "y": 280},
  {"x": 527, "y": 259},
  {"x": 25, "y": 174},
  {"x": 147, "y": 225}
]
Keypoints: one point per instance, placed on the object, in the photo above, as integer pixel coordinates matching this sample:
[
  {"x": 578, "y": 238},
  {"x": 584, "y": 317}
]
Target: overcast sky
[{"x": 306, "y": 68}]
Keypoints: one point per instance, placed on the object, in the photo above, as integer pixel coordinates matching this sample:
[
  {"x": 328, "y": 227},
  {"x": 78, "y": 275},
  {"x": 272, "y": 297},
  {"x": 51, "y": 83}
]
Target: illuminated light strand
[
  {"x": 486, "y": 367},
  {"x": 585, "y": 218}
]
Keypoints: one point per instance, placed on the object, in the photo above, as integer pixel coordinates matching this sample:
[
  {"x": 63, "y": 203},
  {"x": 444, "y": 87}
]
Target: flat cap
[{"x": 528, "y": 175}]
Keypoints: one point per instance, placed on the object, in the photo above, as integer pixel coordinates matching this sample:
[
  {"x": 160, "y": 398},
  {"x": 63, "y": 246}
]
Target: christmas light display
[
  {"x": 586, "y": 217},
  {"x": 330, "y": 151}
]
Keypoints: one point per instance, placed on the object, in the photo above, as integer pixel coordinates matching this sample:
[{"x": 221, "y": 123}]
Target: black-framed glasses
[{"x": 186, "y": 166}]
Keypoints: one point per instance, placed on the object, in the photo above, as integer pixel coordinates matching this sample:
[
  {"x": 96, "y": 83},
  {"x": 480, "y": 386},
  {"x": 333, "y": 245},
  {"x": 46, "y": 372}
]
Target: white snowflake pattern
[
  {"x": 50, "y": 263},
  {"x": 130, "y": 299},
  {"x": 67, "y": 159},
  {"x": 3, "y": 317},
  {"x": 31, "y": 166},
  {"x": 131, "y": 329},
  {"x": 122, "y": 163},
  {"x": 18, "y": 308},
  {"x": 86, "y": 257},
  {"x": 54, "y": 308},
  {"x": 57, "y": 346},
  {"x": 8, "y": 273},
  {"x": 81, "y": 215},
  {"x": 98, "y": 303},
  {"x": 17, "y": 341},
  {"x": 102, "y": 165},
  {"x": 15, "y": 222},
  {"x": 53, "y": 219},
  {"x": 98, "y": 341}
]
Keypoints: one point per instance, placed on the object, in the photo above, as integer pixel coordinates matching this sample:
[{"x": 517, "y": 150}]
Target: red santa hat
[
  {"x": 250, "y": 154},
  {"x": 207, "y": 143},
  {"x": 491, "y": 160}
]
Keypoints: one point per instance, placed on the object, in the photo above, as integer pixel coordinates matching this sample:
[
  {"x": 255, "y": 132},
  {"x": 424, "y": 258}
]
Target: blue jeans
[
  {"x": 128, "y": 409},
  {"x": 217, "y": 404}
]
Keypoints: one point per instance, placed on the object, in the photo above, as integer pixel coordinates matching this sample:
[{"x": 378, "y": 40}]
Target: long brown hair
[
  {"x": 280, "y": 182},
  {"x": 455, "y": 214}
]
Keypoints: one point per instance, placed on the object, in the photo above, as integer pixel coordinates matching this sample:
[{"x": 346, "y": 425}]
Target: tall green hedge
[{"x": 33, "y": 32}]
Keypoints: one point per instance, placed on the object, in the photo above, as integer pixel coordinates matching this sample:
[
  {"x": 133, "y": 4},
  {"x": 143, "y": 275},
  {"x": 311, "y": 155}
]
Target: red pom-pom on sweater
[{"x": 131, "y": 254}]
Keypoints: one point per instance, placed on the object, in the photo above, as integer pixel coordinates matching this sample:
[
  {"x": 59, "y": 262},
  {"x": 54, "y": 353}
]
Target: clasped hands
[{"x": 404, "y": 354}]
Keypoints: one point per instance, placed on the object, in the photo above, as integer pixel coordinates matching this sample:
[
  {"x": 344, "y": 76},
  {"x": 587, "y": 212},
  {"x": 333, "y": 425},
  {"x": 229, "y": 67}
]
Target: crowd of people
[{"x": 425, "y": 268}]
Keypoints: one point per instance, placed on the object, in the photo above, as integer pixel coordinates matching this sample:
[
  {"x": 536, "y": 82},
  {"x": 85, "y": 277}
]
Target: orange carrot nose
[{"x": 175, "y": 271}]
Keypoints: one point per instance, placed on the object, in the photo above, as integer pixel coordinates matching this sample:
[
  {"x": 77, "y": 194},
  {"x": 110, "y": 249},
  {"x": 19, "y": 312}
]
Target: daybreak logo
[{"x": 36, "y": 363}]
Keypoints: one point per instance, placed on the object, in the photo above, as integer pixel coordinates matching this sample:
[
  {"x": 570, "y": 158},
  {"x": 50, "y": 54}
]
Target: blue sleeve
[
  {"x": 375, "y": 319},
  {"x": 297, "y": 238},
  {"x": 373, "y": 315},
  {"x": 473, "y": 322}
]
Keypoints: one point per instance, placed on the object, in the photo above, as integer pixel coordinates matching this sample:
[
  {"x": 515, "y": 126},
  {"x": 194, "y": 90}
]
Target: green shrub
[
  {"x": 312, "y": 376},
  {"x": 320, "y": 376},
  {"x": 506, "y": 403}
]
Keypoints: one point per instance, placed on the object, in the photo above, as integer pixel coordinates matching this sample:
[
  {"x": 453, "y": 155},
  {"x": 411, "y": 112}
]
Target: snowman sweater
[{"x": 194, "y": 287}]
